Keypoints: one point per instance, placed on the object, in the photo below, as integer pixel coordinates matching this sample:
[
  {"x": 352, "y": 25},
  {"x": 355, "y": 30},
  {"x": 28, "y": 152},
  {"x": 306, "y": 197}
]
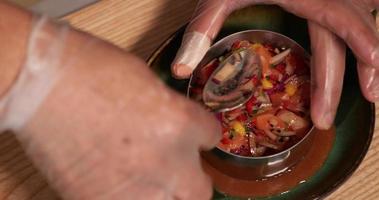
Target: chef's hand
[
  {"x": 109, "y": 129},
  {"x": 95, "y": 120},
  {"x": 328, "y": 21}
]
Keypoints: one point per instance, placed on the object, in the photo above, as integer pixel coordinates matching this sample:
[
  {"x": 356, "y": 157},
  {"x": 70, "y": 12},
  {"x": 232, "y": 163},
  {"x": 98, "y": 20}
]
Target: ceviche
[{"x": 277, "y": 115}]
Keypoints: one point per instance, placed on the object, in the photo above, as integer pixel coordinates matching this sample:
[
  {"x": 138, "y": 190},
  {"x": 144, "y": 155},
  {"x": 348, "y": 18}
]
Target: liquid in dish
[{"x": 277, "y": 115}]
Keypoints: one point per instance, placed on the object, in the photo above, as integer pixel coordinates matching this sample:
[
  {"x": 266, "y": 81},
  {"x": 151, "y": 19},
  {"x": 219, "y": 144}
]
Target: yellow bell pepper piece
[
  {"x": 266, "y": 84},
  {"x": 255, "y": 46},
  {"x": 238, "y": 128},
  {"x": 291, "y": 89}
]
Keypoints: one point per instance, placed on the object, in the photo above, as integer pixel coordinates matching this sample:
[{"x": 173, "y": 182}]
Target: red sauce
[{"x": 299, "y": 174}]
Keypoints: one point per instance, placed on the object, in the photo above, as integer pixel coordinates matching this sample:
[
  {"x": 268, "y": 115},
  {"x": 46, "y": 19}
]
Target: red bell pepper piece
[
  {"x": 250, "y": 104},
  {"x": 242, "y": 118},
  {"x": 281, "y": 68}
]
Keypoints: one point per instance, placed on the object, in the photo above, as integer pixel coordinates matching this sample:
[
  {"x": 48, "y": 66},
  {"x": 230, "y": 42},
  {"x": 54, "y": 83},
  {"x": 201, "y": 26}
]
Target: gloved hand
[
  {"x": 95, "y": 120},
  {"x": 329, "y": 21},
  {"x": 117, "y": 132}
]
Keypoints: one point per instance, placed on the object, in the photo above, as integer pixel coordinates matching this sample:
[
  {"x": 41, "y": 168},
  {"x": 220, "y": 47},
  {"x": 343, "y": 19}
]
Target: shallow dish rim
[{"x": 342, "y": 179}]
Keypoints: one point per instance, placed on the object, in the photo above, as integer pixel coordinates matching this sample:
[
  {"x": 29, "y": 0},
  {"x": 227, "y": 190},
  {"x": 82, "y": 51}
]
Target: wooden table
[{"x": 139, "y": 26}]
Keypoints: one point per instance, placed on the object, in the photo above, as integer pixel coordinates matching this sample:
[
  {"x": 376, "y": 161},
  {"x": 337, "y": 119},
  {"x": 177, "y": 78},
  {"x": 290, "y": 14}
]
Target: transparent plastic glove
[
  {"x": 368, "y": 77},
  {"x": 329, "y": 20},
  {"x": 100, "y": 125},
  {"x": 135, "y": 142}
]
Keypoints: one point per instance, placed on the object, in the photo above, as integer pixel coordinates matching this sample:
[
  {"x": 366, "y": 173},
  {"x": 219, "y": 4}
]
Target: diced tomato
[
  {"x": 225, "y": 130},
  {"x": 300, "y": 65},
  {"x": 281, "y": 68},
  {"x": 250, "y": 104},
  {"x": 236, "y": 45},
  {"x": 274, "y": 77},
  {"x": 239, "y": 145},
  {"x": 300, "y": 100},
  {"x": 260, "y": 136},
  {"x": 254, "y": 121},
  {"x": 277, "y": 98},
  {"x": 207, "y": 71},
  {"x": 226, "y": 141},
  {"x": 236, "y": 142},
  {"x": 294, "y": 103},
  {"x": 305, "y": 93},
  {"x": 270, "y": 49},
  {"x": 255, "y": 80},
  {"x": 268, "y": 121},
  {"x": 275, "y": 74},
  {"x": 240, "y": 44},
  {"x": 243, "y": 150},
  {"x": 242, "y": 118}
]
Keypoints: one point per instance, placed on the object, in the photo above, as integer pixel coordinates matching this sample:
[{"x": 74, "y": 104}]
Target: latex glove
[
  {"x": 115, "y": 142},
  {"x": 328, "y": 21},
  {"x": 108, "y": 141},
  {"x": 105, "y": 126}
]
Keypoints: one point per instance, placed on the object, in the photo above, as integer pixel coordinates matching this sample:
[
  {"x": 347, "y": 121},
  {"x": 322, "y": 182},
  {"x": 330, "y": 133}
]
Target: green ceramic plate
[{"x": 355, "y": 119}]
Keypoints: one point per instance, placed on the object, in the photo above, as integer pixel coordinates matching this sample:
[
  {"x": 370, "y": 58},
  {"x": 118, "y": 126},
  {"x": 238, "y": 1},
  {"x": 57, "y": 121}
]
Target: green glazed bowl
[{"x": 355, "y": 118}]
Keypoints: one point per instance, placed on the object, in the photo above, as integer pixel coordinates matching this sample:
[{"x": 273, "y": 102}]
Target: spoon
[{"x": 230, "y": 85}]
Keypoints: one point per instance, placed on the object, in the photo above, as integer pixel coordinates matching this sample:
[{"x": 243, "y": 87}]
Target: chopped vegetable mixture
[{"x": 277, "y": 116}]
